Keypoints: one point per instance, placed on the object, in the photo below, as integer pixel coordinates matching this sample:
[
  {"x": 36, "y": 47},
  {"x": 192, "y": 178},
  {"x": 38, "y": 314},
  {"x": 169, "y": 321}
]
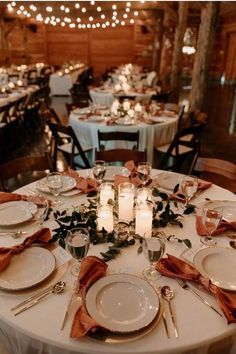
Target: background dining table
[
  {"x": 150, "y": 135},
  {"x": 37, "y": 330}
]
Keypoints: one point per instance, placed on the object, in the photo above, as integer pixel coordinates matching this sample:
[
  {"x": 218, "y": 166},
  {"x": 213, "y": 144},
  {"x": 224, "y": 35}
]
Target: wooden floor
[{"x": 219, "y": 137}]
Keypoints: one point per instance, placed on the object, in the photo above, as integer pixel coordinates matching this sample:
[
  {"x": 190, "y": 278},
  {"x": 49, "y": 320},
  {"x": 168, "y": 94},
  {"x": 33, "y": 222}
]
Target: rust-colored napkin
[
  {"x": 6, "y": 253},
  {"x": 86, "y": 185},
  {"x": 86, "y": 116},
  {"x": 224, "y": 226},
  {"x": 11, "y": 197},
  {"x": 92, "y": 268},
  {"x": 176, "y": 268},
  {"x": 133, "y": 178},
  {"x": 202, "y": 185}
]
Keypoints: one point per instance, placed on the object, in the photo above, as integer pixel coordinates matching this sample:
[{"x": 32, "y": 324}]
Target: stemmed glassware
[
  {"x": 78, "y": 245},
  {"x": 144, "y": 171},
  {"x": 211, "y": 218},
  {"x": 42, "y": 209},
  {"x": 99, "y": 170},
  {"x": 55, "y": 184},
  {"x": 153, "y": 248},
  {"x": 189, "y": 185}
]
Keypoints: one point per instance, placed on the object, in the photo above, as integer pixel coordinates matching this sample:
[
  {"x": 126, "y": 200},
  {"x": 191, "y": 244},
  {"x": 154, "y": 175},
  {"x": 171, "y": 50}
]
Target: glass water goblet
[
  {"x": 211, "y": 218},
  {"x": 189, "y": 185},
  {"x": 78, "y": 245},
  {"x": 153, "y": 248},
  {"x": 55, "y": 184},
  {"x": 144, "y": 171},
  {"x": 99, "y": 170},
  {"x": 42, "y": 209}
]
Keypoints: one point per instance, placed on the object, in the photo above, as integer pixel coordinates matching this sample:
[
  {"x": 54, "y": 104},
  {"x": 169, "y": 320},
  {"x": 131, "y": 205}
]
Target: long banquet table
[
  {"x": 38, "y": 329},
  {"x": 16, "y": 94},
  {"x": 149, "y": 135}
]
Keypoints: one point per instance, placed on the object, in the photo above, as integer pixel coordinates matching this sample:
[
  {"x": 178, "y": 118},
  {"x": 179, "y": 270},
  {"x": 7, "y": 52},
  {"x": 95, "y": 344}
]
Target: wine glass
[
  {"x": 144, "y": 171},
  {"x": 99, "y": 170},
  {"x": 211, "y": 218},
  {"x": 189, "y": 185},
  {"x": 42, "y": 209},
  {"x": 153, "y": 248},
  {"x": 78, "y": 245},
  {"x": 55, "y": 184}
]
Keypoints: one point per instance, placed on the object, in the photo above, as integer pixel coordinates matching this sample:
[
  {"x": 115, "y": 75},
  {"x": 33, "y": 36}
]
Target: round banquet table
[
  {"x": 149, "y": 135},
  {"x": 38, "y": 329}
]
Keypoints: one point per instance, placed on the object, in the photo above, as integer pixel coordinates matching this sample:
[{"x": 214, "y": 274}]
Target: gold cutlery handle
[
  {"x": 204, "y": 301},
  {"x": 33, "y": 303},
  {"x": 165, "y": 324}
]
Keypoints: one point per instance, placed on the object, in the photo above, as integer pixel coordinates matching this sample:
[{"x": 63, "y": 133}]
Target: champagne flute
[
  {"x": 211, "y": 218},
  {"x": 78, "y": 245},
  {"x": 144, "y": 171},
  {"x": 99, "y": 170},
  {"x": 153, "y": 248},
  {"x": 55, "y": 184},
  {"x": 189, "y": 185}
]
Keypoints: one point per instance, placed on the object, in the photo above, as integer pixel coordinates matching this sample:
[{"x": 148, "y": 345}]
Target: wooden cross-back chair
[
  {"x": 73, "y": 151},
  {"x": 15, "y": 169},
  {"x": 120, "y": 155},
  {"x": 218, "y": 171},
  {"x": 104, "y": 137}
]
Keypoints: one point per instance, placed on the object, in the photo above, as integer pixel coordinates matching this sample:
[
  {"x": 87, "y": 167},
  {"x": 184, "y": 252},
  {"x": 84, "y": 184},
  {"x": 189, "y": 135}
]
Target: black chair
[
  {"x": 73, "y": 151},
  {"x": 178, "y": 155},
  {"x": 118, "y": 136}
]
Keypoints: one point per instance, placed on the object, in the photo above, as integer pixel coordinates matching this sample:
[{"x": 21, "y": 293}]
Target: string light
[{"x": 119, "y": 16}]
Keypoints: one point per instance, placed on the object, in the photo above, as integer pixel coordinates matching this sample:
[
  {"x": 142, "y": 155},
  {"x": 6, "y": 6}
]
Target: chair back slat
[
  {"x": 121, "y": 155},
  {"x": 118, "y": 136}
]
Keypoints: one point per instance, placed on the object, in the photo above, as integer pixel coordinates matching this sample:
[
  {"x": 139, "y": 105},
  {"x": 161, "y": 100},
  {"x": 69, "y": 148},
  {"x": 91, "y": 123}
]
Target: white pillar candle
[
  {"x": 144, "y": 194},
  {"x": 106, "y": 193},
  {"x": 105, "y": 218},
  {"x": 126, "y": 202},
  {"x": 143, "y": 220}
]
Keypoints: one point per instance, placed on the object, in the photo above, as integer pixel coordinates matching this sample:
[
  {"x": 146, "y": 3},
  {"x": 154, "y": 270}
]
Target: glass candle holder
[
  {"x": 106, "y": 192},
  {"x": 143, "y": 219},
  {"x": 105, "y": 217},
  {"x": 126, "y": 201},
  {"x": 144, "y": 194}
]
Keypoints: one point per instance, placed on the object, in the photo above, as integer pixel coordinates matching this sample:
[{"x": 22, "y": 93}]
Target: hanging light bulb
[
  {"x": 83, "y": 9},
  {"x": 77, "y": 5},
  {"x": 114, "y": 7}
]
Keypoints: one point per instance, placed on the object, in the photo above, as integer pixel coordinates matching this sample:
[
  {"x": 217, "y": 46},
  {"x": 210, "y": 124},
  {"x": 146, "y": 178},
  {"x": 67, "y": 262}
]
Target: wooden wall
[
  {"x": 102, "y": 48},
  {"x": 99, "y": 48}
]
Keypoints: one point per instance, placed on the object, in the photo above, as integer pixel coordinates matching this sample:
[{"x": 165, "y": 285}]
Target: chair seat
[
  {"x": 67, "y": 148},
  {"x": 187, "y": 137},
  {"x": 182, "y": 149}
]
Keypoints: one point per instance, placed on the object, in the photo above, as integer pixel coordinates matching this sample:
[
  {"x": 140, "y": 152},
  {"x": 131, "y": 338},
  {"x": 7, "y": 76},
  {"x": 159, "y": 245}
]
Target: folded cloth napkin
[
  {"x": 176, "y": 268},
  {"x": 11, "y": 197},
  {"x": 86, "y": 185},
  {"x": 202, "y": 185},
  {"x": 6, "y": 253},
  {"x": 133, "y": 178},
  {"x": 86, "y": 116},
  {"x": 92, "y": 268},
  {"x": 223, "y": 226}
]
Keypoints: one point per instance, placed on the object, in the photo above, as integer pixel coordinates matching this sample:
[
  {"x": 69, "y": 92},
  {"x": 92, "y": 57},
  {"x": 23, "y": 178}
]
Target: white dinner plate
[
  {"x": 217, "y": 264},
  {"x": 112, "y": 171},
  {"x": 68, "y": 184},
  {"x": 27, "y": 269},
  {"x": 96, "y": 119},
  {"x": 168, "y": 180},
  {"x": 122, "y": 303},
  {"x": 82, "y": 111},
  {"x": 158, "y": 119},
  {"x": 123, "y": 121},
  {"x": 13, "y": 213}
]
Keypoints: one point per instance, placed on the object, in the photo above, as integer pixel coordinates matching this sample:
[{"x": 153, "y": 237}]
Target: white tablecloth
[
  {"x": 60, "y": 85},
  {"x": 149, "y": 135},
  {"x": 38, "y": 330}
]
